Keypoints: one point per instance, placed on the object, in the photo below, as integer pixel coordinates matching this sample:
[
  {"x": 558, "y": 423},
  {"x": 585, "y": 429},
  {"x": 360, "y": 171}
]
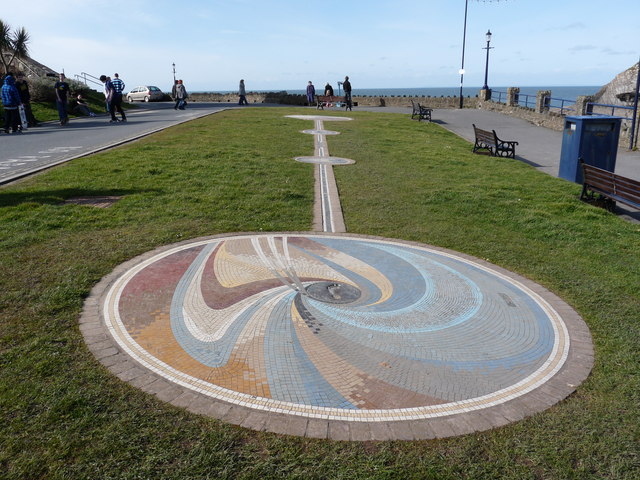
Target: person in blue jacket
[{"x": 10, "y": 102}]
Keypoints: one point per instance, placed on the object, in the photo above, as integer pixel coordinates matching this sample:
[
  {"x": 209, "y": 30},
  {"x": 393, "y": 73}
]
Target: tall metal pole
[
  {"x": 486, "y": 67},
  {"x": 464, "y": 40},
  {"x": 635, "y": 110},
  {"x": 174, "y": 73}
]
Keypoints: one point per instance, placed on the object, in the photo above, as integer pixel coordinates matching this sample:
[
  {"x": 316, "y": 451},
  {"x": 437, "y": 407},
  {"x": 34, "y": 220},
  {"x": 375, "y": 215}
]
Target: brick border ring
[{"x": 339, "y": 336}]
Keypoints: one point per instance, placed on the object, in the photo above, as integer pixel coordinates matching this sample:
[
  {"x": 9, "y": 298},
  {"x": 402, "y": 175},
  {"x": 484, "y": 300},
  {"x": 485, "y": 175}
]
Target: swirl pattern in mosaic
[{"x": 335, "y": 327}]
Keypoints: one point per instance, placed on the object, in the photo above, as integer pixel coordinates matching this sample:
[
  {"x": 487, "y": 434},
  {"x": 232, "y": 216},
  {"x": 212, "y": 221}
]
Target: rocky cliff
[{"x": 620, "y": 90}]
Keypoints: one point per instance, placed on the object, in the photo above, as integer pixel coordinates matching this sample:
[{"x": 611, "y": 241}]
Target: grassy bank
[
  {"x": 65, "y": 416},
  {"x": 47, "y": 111}
]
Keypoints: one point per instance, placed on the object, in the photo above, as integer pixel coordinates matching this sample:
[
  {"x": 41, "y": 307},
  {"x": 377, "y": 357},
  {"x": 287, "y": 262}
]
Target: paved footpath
[{"x": 50, "y": 144}]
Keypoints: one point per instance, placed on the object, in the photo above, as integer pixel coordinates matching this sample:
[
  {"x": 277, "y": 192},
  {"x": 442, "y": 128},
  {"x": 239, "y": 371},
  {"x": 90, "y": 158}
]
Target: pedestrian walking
[
  {"x": 25, "y": 97},
  {"x": 62, "y": 91},
  {"x": 10, "y": 103},
  {"x": 115, "y": 105},
  {"x": 106, "y": 91},
  {"x": 346, "y": 85},
  {"x": 311, "y": 92},
  {"x": 242, "y": 92},
  {"x": 114, "y": 102},
  {"x": 118, "y": 84},
  {"x": 180, "y": 95},
  {"x": 174, "y": 93}
]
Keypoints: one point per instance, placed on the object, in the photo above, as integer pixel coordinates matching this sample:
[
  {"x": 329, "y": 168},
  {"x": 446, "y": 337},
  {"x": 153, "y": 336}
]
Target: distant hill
[{"x": 620, "y": 90}]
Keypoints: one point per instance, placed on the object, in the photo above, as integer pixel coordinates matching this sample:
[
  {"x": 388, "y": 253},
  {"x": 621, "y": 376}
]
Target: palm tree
[{"x": 12, "y": 45}]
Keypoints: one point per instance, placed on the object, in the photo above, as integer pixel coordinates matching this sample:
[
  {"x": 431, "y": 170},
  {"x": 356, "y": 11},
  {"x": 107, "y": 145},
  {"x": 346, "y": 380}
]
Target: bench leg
[
  {"x": 506, "y": 153},
  {"x": 583, "y": 194},
  {"x": 478, "y": 146},
  {"x": 588, "y": 196}
]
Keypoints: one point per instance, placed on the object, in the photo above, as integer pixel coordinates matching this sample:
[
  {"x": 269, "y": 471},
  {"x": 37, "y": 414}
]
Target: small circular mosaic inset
[
  {"x": 321, "y": 132},
  {"x": 335, "y": 327},
  {"x": 326, "y": 160}
]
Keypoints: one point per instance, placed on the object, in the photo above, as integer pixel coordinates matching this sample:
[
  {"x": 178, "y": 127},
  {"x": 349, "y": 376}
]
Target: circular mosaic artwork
[{"x": 335, "y": 327}]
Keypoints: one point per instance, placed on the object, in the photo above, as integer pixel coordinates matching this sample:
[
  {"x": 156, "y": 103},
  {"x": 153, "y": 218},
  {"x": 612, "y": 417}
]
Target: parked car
[{"x": 144, "y": 93}]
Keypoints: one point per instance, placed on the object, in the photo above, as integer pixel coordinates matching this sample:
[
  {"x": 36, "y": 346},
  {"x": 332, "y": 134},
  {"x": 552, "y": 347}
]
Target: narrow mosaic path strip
[{"x": 330, "y": 213}]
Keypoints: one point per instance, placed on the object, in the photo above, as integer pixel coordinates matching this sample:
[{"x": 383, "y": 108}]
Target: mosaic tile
[{"x": 426, "y": 334}]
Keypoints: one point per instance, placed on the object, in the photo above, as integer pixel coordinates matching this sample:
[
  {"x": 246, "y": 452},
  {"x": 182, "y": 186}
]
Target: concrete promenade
[{"x": 48, "y": 145}]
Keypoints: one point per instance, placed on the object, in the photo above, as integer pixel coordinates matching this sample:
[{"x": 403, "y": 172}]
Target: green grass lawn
[{"x": 64, "y": 416}]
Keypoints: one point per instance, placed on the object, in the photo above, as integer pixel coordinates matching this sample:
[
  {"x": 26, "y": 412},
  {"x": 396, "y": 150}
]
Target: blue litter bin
[{"x": 592, "y": 138}]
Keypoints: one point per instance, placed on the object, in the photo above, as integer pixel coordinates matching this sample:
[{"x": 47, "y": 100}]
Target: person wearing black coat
[{"x": 25, "y": 96}]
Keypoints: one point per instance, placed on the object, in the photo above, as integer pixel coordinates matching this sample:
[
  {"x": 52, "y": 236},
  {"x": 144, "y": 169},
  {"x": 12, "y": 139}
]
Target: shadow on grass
[{"x": 56, "y": 197}]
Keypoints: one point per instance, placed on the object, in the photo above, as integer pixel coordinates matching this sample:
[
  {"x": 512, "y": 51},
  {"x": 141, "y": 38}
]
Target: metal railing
[
  {"x": 567, "y": 107},
  {"x": 607, "y": 107},
  {"x": 562, "y": 105},
  {"x": 86, "y": 77}
]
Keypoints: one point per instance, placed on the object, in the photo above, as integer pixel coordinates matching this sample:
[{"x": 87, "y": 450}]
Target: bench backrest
[
  {"x": 484, "y": 135},
  {"x": 330, "y": 98},
  {"x": 607, "y": 181}
]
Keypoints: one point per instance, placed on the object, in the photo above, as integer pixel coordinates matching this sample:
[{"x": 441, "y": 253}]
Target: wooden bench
[
  {"x": 489, "y": 141},
  {"x": 610, "y": 187},
  {"x": 420, "y": 111},
  {"x": 331, "y": 100}
]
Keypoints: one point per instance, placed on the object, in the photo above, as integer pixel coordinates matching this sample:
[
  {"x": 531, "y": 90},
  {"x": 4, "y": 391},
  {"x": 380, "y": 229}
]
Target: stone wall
[
  {"x": 368, "y": 101},
  {"x": 405, "y": 101},
  {"x": 252, "y": 97},
  {"x": 542, "y": 115}
]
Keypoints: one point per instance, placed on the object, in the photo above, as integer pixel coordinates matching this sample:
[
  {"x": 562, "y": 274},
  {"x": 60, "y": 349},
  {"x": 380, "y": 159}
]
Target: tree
[{"x": 12, "y": 44}]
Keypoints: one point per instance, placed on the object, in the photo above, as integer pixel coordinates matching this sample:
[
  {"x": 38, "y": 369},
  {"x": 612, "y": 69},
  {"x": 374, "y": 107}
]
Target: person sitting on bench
[{"x": 328, "y": 92}]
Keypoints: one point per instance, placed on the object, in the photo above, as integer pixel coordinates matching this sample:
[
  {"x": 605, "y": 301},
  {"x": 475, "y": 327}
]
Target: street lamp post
[
  {"x": 486, "y": 68},
  {"x": 464, "y": 39},
  {"x": 174, "y": 73},
  {"x": 635, "y": 111}
]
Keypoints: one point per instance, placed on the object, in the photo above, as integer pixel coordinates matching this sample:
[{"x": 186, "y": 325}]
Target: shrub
[{"x": 41, "y": 89}]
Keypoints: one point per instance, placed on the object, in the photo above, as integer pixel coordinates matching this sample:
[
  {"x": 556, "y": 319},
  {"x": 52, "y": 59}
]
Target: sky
[{"x": 282, "y": 44}]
